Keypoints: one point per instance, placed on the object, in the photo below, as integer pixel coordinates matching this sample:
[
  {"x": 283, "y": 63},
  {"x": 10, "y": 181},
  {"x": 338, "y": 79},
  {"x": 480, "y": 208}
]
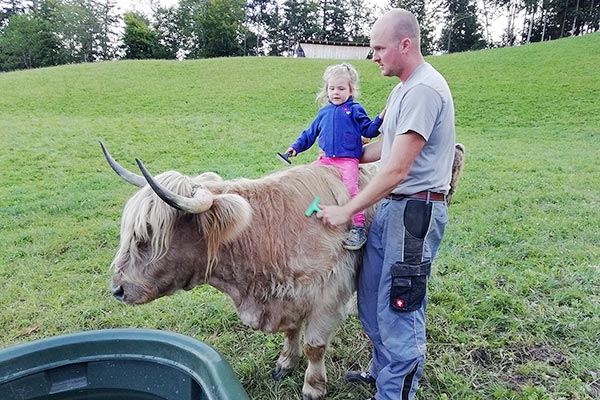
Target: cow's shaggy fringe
[{"x": 146, "y": 218}]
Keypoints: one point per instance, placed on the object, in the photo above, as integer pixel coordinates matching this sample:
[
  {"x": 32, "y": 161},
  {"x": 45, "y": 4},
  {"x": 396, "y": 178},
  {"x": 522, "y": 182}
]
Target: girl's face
[{"x": 338, "y": 89}]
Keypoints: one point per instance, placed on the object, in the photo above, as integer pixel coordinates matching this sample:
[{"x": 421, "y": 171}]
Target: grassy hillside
[{"x": 515, "y": 294}]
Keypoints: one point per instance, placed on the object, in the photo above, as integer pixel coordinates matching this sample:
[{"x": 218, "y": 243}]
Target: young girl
[{"x": 340, "y": 125}]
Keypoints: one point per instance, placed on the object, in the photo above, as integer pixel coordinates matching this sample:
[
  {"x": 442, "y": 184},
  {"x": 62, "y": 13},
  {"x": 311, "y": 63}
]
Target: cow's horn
[
  {"x": 202, "y": 200},
  {"x": 129, "y": 176}
]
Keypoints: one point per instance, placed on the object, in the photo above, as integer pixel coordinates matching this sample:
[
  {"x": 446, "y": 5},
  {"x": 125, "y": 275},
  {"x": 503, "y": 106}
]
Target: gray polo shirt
[{"x": 422, "y": 104}]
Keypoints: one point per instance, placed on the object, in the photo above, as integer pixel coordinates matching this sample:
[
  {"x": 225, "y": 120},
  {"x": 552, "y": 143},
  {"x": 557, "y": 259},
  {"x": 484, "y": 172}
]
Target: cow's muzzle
[
  {"x": 118, "y": 293},
  {"x": 130, "y": 293}
]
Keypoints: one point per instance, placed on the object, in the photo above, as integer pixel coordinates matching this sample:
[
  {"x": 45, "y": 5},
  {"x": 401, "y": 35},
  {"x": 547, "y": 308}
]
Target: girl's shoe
[{"x": 357, "y": 237}]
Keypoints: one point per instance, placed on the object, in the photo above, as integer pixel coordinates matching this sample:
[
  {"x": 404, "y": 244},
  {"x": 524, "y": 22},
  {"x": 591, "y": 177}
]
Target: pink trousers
[{"x": 348, "y": 168}]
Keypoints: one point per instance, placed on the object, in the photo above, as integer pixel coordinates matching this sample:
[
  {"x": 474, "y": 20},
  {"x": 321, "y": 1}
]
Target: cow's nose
[{"x": 118, "y": 293}]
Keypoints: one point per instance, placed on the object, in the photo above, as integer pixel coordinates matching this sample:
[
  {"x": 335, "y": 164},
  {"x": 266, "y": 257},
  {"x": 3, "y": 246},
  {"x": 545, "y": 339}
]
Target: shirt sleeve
[{"x": 419, "y": 111}]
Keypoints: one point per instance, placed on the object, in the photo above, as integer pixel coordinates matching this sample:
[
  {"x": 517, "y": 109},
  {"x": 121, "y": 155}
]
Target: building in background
[{"x": 333, "y": 50}]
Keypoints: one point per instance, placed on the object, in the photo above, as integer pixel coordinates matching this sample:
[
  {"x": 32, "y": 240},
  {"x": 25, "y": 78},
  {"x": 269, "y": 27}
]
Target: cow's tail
[{"x": 457, "y": 169}]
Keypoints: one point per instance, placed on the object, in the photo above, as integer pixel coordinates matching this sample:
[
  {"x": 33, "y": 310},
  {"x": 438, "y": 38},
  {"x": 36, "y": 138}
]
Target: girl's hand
[{"x": 291, "y": 152}]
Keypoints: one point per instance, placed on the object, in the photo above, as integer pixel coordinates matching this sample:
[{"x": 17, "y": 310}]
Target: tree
[
  {"x": 221, "y": 28},
  {"x": 88, "y": 28},
  {"x": 335, "y": 21},
  {"x": 360, "y": 19},
  {"x": 258, "y": 23},
  {"x": 80, "y": 25},
  {"x": 188, "y": 13},
  {"x": 27, "y": 42},
  {"x": 139, "y": 41},
  {"x": 559, "y": 18},
  {"x": 462, "y": 31},
  {"x": 513, "y": 7},
  {"x": 487, "y": 13},
  {"x": 169, "y": 31},
  {"x": 106, "y": 14},
  {"x": 300, "y": 22},
  {"x": 276, "y": 40},
  {"x": 10, "y": 8}
]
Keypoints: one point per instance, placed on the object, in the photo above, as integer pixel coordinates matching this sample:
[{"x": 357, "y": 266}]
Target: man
[{"x": 416, "y": 152}]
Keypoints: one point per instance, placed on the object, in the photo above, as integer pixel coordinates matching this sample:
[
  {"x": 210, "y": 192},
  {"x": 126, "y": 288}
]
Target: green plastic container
[{"x": 117, "y": 364}]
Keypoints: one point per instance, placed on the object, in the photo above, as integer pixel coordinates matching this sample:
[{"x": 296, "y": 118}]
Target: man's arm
[
  {"x": 372, "y": 152},
  {"x": 404, "y": 151}
]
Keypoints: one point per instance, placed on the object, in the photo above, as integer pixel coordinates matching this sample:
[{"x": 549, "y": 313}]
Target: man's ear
[{"x": 405, "y": 45}]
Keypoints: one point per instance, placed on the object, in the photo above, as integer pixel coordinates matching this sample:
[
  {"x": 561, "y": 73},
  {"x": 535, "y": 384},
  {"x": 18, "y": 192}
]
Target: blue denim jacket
[{"x": 339, "y": 129}]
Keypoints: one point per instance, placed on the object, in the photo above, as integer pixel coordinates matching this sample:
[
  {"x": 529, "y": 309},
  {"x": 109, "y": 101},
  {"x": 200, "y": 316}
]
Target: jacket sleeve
[
  {"x": 307, "y": 138},
  {"x": 367, "y": 127}
]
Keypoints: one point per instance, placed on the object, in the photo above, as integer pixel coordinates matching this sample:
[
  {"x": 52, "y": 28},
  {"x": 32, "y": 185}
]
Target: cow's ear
[{"x": 229, "y": 215}]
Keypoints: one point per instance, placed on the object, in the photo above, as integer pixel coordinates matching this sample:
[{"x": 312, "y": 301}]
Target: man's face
[{"x": 386, "y": 49}]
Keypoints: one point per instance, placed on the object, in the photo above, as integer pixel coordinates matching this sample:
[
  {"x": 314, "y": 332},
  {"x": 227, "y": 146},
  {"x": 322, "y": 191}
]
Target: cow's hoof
[
  {"x": 314, "y": 392},
  {"x": 280, "y": 373},
  {"x": 306, "y": 396}
]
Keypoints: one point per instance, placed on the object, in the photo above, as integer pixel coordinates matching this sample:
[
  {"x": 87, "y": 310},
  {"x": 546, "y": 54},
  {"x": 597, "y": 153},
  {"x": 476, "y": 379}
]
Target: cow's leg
[
  {"x": 319, "y": 330},
  {"x": 315, "y": 378},
  {"x": 290, "y": 355}
]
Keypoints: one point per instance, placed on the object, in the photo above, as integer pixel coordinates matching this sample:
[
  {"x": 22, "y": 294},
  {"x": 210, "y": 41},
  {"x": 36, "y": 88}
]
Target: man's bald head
[{"x": 399, "y": 24}]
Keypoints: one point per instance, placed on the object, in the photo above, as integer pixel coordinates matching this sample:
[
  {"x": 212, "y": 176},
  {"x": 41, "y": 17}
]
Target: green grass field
[{"x": 515, "y": 293}]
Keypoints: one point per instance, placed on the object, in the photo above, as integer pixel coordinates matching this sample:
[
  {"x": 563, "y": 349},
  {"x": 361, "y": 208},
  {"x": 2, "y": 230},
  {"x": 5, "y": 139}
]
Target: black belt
[{"x": 424, "y": 195}]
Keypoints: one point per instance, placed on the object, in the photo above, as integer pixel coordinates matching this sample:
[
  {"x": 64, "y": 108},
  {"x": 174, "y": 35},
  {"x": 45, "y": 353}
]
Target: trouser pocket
[{"x": 409, "y": 286}]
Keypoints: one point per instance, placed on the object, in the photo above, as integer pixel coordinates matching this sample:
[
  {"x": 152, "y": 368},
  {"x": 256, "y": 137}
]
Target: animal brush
[
  {"x": 313, "y": 207},
  {"x": 285, "y": 157}
]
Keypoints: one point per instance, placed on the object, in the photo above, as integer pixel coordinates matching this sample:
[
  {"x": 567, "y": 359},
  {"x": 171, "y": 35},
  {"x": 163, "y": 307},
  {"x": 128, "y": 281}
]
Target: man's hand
[{"x": 334, "y": 215}]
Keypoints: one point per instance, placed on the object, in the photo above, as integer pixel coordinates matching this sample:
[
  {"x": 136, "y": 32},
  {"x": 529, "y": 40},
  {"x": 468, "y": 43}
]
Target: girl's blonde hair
[{"x": 337, "y": 70}]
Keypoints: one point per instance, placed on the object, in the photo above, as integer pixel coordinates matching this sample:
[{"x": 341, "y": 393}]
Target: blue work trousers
[{"x": 392, "y": 290}]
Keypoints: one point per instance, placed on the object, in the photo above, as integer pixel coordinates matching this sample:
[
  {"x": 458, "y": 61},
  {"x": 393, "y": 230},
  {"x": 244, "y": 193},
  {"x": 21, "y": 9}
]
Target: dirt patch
[
  {"x": 512, "y": 361},
  {"x": 540, "y": 352}
]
